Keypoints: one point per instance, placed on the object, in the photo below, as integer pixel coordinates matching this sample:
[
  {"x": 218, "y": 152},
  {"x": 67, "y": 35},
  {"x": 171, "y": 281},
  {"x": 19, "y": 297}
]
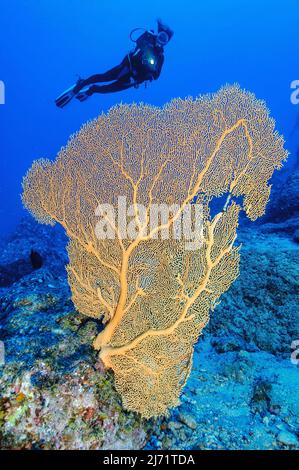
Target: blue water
[{"x": 45, "y": 44}]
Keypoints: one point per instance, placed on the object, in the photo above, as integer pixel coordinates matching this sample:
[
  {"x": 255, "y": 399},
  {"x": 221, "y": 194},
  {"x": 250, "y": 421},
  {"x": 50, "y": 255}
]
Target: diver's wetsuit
[{"x": 144, "y": 63}]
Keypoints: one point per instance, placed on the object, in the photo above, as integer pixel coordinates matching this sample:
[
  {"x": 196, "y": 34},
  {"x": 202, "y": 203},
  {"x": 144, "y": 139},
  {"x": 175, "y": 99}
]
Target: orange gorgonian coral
[{"x": 152, "y": 293}]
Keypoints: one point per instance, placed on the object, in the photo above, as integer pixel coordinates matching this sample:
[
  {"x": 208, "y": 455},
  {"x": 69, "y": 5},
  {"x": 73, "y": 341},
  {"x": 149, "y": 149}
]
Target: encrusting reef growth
[{"x": 153, "y": 293}]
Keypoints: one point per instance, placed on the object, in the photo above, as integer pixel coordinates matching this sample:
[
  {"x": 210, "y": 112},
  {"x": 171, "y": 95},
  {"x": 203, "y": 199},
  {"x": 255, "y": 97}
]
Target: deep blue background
[{"x": 45, "y": 43}]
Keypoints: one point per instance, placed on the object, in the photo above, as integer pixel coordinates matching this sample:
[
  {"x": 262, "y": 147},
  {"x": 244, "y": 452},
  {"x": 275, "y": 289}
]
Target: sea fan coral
[{"x": 152, "y": 292}]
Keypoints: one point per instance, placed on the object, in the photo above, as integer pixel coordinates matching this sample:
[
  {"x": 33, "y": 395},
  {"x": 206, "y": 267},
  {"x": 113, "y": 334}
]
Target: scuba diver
[{"x": 142, "y": 64}]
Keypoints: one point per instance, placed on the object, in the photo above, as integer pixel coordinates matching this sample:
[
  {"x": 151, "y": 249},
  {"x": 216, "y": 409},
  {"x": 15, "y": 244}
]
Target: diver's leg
[
  {"x": 119, "y": 85},
  {"x": 113, "y": 74}
]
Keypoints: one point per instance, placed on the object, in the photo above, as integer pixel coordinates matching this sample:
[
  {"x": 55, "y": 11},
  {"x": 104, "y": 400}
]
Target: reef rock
[{"x": 241, "y": 394}]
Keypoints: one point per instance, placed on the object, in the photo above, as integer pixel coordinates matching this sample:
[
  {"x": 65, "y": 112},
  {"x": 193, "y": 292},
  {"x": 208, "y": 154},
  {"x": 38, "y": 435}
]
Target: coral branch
[{"x": 155, "y": 296}]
